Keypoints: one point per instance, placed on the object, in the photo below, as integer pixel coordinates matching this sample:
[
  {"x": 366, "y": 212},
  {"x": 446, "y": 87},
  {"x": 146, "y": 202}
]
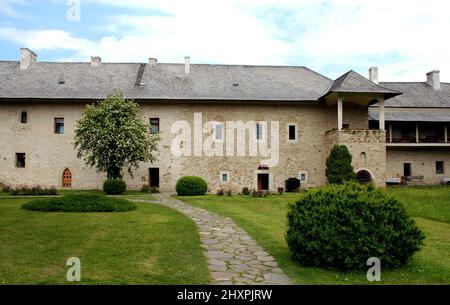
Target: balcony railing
[{"x": 417, "y": 134}]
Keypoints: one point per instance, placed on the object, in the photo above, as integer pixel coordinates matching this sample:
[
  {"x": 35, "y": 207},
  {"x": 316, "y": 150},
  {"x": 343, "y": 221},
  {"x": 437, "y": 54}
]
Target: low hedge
[
  {"x": 80, "y": 203},
  {"x": 25, "y": 190},
  {"x": 342, "y": 226},
  {"x": 191, "y": 186},
  {"x": 114, "y": 187}
]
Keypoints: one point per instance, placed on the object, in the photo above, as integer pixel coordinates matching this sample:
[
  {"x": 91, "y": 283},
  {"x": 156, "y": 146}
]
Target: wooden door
[{"x": 67, "y": 178}]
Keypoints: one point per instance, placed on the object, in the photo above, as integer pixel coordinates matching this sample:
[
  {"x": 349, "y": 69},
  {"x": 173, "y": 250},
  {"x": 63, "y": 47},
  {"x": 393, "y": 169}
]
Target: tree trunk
[{"x": 114, "y": 173}]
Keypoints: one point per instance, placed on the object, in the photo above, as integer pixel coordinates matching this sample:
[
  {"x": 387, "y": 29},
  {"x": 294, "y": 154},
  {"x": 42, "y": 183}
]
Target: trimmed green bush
[
  {"x": 342, "y": 226},
  {"x": 80, "y": 203},
  {"x": 191, "y": 186},
  {"x": 114, "y": 187},
  {"x": 339, "y": 165}
]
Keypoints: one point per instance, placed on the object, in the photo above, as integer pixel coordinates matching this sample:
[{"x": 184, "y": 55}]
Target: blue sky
[{"x": 405, "y": 39}]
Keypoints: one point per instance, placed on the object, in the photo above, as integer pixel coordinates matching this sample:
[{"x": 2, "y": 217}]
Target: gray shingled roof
[
  {"x": 411, "y": 116},
  {"x": 352, "y": 82},
  {"x": 418, "y": 95},
  {"x": 162, "y": 81}
]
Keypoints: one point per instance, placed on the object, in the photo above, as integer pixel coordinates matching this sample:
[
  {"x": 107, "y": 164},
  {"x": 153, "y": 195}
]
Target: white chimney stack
[
  {"x": 153, "y": 61},
  {"x": 373, "y": 74},
  {"x": 187, "y": 65},
  {"x": 27, "y": 58},
  {"x": 96, "y": 61},
  {"x": 434, "y": 79}
]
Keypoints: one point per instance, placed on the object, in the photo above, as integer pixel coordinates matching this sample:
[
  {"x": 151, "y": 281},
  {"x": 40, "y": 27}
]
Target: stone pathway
[{"x": 233, "y": 256}]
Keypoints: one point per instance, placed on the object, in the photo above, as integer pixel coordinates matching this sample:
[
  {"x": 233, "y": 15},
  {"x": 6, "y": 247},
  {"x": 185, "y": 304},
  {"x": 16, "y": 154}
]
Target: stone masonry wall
[
  {"x": 49, "y": 154},
  {"x": 367, "y": 148}
]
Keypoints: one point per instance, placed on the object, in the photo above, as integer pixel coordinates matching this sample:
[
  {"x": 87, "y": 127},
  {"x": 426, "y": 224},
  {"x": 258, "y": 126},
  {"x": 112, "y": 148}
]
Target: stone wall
[
  {"x": 367, "y": 148},
  {"x": 49, "y": 154},
  {"x": 423, "y": 162}
]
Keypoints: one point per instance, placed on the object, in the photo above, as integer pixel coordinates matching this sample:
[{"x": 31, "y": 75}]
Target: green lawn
[
  {"x": 152, "y": 245},
  {"x": 265, "y": 220},
  {"x": 432, "y": 202}
]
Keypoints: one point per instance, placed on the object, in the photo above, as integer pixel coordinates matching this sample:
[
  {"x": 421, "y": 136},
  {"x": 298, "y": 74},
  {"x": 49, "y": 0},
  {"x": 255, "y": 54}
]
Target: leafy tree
[
  {"x": 111, "y": 135},
  {"x": 339, "y": 165}
]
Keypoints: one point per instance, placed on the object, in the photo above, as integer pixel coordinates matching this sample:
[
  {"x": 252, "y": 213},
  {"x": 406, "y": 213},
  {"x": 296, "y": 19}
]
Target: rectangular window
[
  {"x": 259, "y": 131},
  {"x": 20, "y": 160},
  {"x": 224, "y": 177},
  {"x": 292, "y": 133},
  {"x": 59, "y": 125},
  {"x": 219, "y": 132},
  {"x": 154, "y": 126},
  {"x": 303, "y": 177},
  {"x": 439, "y": 167}
]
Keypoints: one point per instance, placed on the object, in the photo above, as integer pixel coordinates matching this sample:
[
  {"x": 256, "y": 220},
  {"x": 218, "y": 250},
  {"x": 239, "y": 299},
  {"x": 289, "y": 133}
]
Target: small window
[
  {"x": 218, "y": 130},
  {"x": 259, "y": 131},
  {"x": 20, "y": 160},
  {"x": 439, "y": 167},
  {"x": 59, "y": 125},
  {"x": 154, "y": 126},
  {"x": 23, "y": 117},
  {"x": 225, "y": 177},
  {"x": 292, "y": 133},
  {"x": 345, "y": 126},
  {"x": 303, "y": 177}
]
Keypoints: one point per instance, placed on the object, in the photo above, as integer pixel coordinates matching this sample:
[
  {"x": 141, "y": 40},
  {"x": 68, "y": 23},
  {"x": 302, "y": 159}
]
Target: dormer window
[{"x": 24, "y": 117}]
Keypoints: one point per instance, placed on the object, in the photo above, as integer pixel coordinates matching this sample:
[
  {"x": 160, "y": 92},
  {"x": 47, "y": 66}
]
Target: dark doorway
[
  {"x": 407, "y": 172},
  {"x": 154, "y": 177},
  {"x": 363, "y": 177},
  {"x": 263, "y": 182},
  {"x": 292, "y": 185}
]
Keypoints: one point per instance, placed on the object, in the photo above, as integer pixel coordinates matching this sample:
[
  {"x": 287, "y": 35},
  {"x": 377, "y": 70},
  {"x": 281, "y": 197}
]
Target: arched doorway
[
  {"x": 67, "y": 178},
  {"x": 363, "y": 177}
]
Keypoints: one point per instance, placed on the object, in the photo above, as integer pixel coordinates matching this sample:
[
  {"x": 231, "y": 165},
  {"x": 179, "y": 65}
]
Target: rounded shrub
[
  {"x": 80, "y": 203},
  {"x": 191, "y": 186},
  {"x": 114, "y": 187},
  {"x": 342, "y": 226}
]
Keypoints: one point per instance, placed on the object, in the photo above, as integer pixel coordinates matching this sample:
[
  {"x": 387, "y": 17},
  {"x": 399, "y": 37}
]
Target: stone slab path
[{"x": 233, "y": 256}]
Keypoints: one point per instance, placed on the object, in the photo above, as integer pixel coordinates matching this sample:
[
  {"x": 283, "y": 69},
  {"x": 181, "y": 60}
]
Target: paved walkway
[{"x": 233, "y": 256}]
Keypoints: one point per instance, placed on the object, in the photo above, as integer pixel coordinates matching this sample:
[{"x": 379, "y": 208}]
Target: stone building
[{"x": 292, "y": 115}]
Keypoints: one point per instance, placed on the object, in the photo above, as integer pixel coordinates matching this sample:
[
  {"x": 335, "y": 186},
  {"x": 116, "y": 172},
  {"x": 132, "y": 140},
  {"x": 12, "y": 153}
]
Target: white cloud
[
  {"x": 7, "y": 8},
  {"x": 45, "y": 39},
  {"x": 405, "y": 39}
]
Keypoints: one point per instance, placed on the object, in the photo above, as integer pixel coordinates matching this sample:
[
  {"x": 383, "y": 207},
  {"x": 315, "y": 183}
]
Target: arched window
[
  {"x": 23, "y": 117},
  {"x": 67, "y": 178},
  {"x": 363, "y": 157},
  {"x": 363, "y": 177}
]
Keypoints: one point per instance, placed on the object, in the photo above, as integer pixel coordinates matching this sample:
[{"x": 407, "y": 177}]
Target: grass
[
  {"x": 265, "y": 220},
  {"x": 85, "y": 203},
  {"x": 151, "y": 245},
  {"x": 432, "y": 202}
]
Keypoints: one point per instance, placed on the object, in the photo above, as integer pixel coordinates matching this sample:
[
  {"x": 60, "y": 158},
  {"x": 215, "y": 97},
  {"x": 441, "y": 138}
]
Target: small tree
[
  {"x": 111, "y": 135},
  {"x": 339, "y": 165}
]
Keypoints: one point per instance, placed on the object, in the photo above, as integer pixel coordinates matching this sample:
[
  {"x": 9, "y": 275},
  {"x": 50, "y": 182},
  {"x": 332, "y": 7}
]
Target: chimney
[
  {"x": 187, "y": 65},
  {"x": 434, "y": 80},
  {"x": 373, "y": 74},
  {"x": 152, "y": 61},
  {"x": 96, "y": 61},
  {"x": 27, "y": 58}
]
